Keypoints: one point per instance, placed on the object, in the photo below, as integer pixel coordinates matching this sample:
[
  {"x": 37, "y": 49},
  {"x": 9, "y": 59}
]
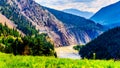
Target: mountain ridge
[
  {"x": 107, "y": 15},
  {"x": 78, "y": 12},
  {"x": 105, "y": 46}
]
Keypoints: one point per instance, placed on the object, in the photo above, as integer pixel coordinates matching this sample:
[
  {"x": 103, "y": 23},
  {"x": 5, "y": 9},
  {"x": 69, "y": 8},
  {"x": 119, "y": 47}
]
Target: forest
[
  {"x": 12, "y": 42},
  {"x": 105, "y": 46}
]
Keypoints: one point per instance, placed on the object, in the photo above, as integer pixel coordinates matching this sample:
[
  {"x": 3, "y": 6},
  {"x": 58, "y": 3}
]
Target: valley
[{"x": 36, "y": 36}]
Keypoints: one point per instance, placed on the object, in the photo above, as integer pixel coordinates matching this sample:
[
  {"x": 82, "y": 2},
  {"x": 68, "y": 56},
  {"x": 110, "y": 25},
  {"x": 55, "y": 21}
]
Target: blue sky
[{"x": 83, "y": 5}]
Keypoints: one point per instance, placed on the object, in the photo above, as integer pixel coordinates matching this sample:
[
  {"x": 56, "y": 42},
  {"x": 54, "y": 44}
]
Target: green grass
[{"x": 11, "y": 61}]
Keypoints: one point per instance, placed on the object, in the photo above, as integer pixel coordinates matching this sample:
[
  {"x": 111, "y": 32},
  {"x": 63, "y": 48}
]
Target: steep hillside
[
  {"x": 82, "y": 29},
  {"x": 32, "y": 18},
  {"x": 10, "y": 9},
  {"x": 9, "y": 23},
  {"x": 106, "y": 46},
  {"x": 29, "y": 16},
  {"x": 108, "y": 15},
  {"x": 12, "y": 42},
  {"x": 6, "y": 21},
  {"x": 78, "y": 12}
]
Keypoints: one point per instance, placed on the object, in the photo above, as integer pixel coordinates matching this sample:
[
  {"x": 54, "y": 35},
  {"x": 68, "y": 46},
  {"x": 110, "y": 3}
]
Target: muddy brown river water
[{"x": 67, "y": 52}]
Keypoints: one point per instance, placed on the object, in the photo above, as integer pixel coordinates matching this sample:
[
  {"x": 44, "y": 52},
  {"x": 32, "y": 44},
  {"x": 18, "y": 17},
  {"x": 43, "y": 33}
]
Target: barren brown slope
[
  {"x": 9, "y": 23},
  {"x": 6, "y": 21},
  {"x": 45, "y": 22}
]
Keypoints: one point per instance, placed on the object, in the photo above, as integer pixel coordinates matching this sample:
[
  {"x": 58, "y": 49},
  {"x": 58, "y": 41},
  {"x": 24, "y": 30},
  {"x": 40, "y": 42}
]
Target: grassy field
[{"x": 10, "y": 61}]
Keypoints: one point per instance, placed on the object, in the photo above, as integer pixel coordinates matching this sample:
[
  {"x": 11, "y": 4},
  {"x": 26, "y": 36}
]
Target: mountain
[
  {"x": 11, "y": 10},
  {"x": 105, "y": 46},
  {"x": 82, "y": 29},
  {"x": 78, "y": 13},
  {"x": 108, "y": 15},
  {"x": 30, "y": 18},
  {"x": 64, "y": 29}
]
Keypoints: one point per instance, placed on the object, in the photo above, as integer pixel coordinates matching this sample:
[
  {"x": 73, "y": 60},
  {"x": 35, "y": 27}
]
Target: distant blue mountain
[
  {"x": 109, "y": 15},
  {"x": 78, "y": 12}
]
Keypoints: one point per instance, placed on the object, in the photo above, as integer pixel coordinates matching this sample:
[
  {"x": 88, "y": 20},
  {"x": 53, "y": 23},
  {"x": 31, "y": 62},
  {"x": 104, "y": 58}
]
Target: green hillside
[
  {"x": 105, "y": 46},
  {"x": 11, "y": 61},
  {"x": 12, "y": 42}
]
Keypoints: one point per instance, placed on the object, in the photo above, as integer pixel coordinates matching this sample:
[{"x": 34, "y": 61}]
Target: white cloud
[{"x": 83, "y": 5}]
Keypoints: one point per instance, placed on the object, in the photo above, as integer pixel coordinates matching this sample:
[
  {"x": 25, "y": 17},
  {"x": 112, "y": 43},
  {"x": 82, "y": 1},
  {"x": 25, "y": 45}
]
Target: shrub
[{"x": 78, "y": 47}]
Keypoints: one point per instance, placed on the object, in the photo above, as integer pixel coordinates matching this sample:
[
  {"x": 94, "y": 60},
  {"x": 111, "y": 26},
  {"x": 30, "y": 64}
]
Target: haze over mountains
[
  {"x": 84, "y": 14},
  {"x": 108, "y": 15}
]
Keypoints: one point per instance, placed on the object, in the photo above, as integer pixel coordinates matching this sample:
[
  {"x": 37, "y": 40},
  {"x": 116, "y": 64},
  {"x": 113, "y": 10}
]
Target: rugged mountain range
[
  {"x": 78, "y": 12},
  {"x": 30, "y": 18},
  {"x": 108, "y": 15}
]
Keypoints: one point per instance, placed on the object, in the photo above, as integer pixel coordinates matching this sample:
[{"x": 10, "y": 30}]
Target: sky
[{"x": 83, "y": 5}]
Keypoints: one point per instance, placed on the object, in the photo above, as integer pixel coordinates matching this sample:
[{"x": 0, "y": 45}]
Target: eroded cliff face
[
  {"x": 83, "y": 36},
  {"x": 45, "y": 22},
  {"x": 84, "y": 30}
]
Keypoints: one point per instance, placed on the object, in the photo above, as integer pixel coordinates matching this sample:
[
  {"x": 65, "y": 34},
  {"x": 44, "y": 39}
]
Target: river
[{"x": 67, "y": 52}]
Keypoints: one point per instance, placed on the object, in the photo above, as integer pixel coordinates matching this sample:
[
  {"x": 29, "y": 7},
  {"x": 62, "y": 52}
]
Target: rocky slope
[
  {"x": 82, "y": 29},
  {"x": 41, "y": 19},
  {"x": 30, "y": 14}
]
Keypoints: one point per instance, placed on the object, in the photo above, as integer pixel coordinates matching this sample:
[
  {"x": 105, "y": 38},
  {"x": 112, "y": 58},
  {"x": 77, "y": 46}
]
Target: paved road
[{"x": 67, "y": 52}]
